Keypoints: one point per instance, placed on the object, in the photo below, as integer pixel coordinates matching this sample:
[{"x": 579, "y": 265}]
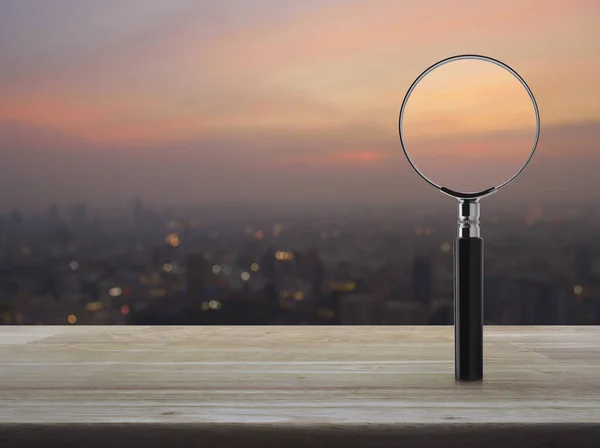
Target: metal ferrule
[{"x": 468, "y": 218}]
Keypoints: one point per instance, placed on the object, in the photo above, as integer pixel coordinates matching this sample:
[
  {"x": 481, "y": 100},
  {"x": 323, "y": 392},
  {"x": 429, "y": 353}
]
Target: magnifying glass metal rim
[{"x": 480, "y": 194}]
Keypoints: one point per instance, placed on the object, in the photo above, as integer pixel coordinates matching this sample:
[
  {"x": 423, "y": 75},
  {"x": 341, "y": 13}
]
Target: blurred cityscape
[{"x": 257, "y": 266}]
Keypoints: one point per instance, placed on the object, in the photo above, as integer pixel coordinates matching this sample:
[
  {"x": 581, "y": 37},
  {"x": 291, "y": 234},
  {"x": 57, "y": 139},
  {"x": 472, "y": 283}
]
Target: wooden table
[{"x": 296, "y": 387}]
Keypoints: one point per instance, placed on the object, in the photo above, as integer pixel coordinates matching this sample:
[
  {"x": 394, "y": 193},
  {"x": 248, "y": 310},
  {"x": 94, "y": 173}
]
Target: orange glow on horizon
[{"x": 347, "y": 158}]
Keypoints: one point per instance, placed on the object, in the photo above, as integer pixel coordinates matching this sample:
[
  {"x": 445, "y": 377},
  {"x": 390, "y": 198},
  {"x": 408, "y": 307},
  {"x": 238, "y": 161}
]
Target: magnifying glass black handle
[{"x": 468, "y": 308}]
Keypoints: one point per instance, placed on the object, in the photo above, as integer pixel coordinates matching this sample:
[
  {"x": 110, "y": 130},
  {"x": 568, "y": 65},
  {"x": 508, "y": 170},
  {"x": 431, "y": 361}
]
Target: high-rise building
[
  {"x": 138, "y": 214},
  {"x": 268, "y": 263},
  {"x": 422, "y": 279},
  {"x": 539, "y": 303},
  {"x": 197, "y": 274},
  {"x": 3, "y": 239},
  {"x": 53, "y": 215},
  {"x": 79, "y": 216},
  {"x": 361, "y": 309},
  {"x": 403, "y": 312},
  {"x": 12, "y": 235},
  {"x": 582, "y": 265},
  {"x": 312, "y": 269},
  {"x": 441, "y": 312}
]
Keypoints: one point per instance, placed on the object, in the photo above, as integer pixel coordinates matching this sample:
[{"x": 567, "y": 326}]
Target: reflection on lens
[{"x": 469, "y": 125}]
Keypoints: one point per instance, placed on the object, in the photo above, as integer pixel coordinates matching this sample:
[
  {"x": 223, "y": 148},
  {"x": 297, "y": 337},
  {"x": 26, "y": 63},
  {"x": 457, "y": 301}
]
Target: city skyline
[
  {"x": 360, "y": 267},
  {"x": 194, "y": 102}
]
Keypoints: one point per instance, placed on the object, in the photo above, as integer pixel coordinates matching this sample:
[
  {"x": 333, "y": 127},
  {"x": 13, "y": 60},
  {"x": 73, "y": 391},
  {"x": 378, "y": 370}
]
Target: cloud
[
  {"x": 199, "y": 101},
  {"x": 341, "y": 160},
  {"x": 350, "y": 56}
]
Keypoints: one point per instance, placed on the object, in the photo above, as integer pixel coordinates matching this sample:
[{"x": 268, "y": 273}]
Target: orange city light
[
  {"x": 281, "y": 255},
  {"x": 173, "y": 240}
]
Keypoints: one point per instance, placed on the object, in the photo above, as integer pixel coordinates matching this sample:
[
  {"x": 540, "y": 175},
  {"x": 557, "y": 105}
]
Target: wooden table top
[{"x": 329, "y": 380}]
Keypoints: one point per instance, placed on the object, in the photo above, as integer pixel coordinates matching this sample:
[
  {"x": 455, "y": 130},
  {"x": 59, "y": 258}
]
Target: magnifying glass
[{"x": 469, "y": 125}]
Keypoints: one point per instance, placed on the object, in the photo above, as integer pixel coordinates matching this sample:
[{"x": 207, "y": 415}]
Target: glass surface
[{"x": 469, "y": 125}]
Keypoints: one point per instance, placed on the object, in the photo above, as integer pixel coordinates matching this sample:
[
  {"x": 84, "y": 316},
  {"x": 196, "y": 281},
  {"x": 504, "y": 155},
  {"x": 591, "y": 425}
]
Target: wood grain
[{"x": 369, "y": 386}]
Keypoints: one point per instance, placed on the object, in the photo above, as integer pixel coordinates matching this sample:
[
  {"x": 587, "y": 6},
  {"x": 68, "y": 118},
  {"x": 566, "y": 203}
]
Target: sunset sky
[{"x": 196, "y": 101}]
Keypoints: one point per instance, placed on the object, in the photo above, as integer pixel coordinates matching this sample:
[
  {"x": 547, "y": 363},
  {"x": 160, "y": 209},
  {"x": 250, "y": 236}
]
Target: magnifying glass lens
[{"x": 469, "y": 125}]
